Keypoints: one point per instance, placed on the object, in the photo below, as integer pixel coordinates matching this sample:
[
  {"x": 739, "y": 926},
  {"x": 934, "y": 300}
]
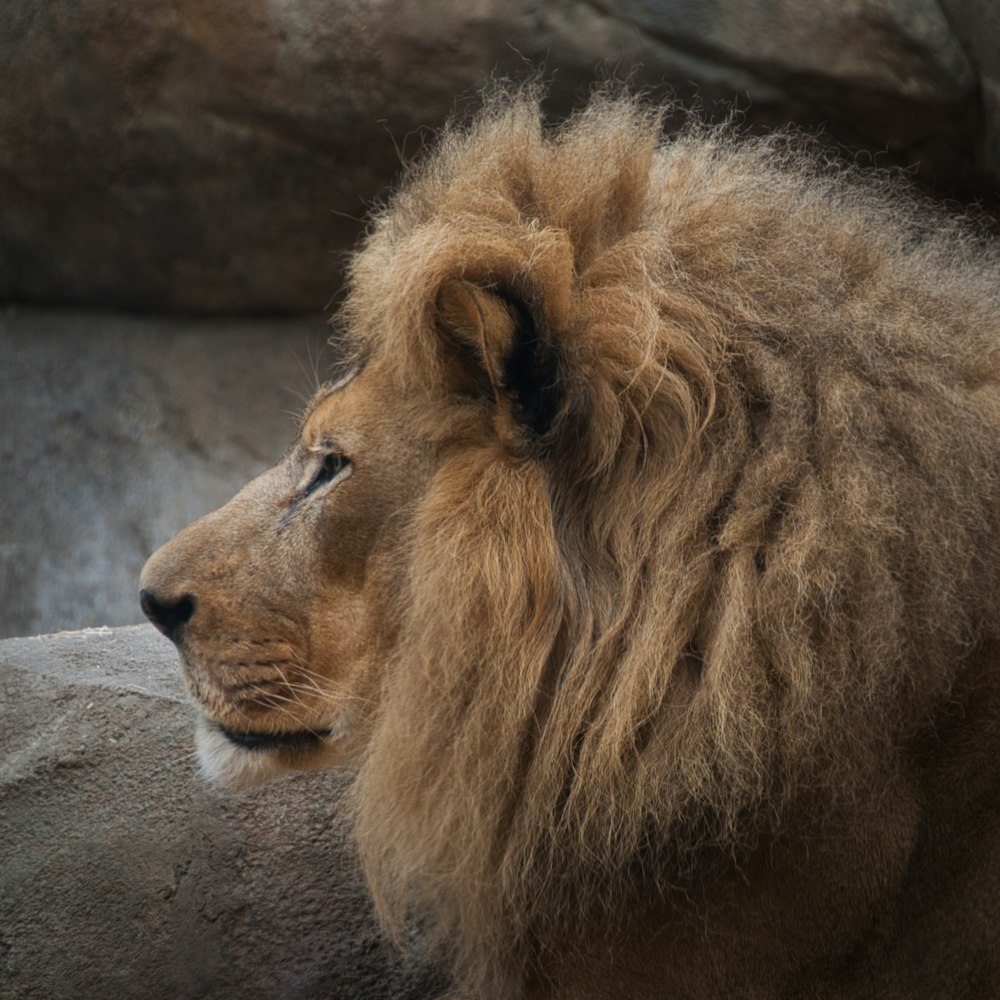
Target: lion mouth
[{"x": 297, "y": 741}]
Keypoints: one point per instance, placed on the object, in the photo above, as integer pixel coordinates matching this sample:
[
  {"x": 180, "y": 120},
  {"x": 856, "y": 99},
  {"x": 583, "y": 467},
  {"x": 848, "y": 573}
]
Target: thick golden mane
[{"x": 737, "y": 571}]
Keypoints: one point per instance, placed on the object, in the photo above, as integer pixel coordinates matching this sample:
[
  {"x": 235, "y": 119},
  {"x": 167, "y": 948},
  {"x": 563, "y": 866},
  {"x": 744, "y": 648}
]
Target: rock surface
[
  {"x": 176, "y": 154},
  {"x": 125, "y": 876},
  {"x": 116, "y": 432}
]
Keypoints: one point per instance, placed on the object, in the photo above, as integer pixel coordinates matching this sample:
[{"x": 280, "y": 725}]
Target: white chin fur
[{"x": 224, "y": 763}]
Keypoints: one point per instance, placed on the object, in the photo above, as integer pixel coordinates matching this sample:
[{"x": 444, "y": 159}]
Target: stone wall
[
  {"x": 116, "y": 431},
  {"x": 125, "y": 876},
  {"x": 216, "y": 156}
]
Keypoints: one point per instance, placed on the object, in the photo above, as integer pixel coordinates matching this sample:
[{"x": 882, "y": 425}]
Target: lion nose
[{"x": 167, "y": 615}]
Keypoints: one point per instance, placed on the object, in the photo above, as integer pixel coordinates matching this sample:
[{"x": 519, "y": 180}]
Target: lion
[{"x": 643, "y": 564}]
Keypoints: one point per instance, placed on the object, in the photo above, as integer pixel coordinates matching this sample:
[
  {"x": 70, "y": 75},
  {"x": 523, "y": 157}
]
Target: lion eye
[{"x": 333, "y": 464}]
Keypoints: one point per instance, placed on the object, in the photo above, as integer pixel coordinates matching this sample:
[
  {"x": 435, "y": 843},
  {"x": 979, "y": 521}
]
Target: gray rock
[
  {"x": 977, "y": 25},
  {"x": 217, "y": 156},
  {"x": 900, "y": 47},
  {"x": 184, "y": 154},
  {"x": 117, "y": 431},
  {"x": 125, "y": 876}
]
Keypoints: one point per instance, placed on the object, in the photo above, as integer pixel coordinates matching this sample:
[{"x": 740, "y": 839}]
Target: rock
[
  {"x": 186, "y": 155},
  {"x": 116, "y": 432},
  {"x": 977, "y": 25},
  {"x": 124, "y": 875},
  {"x": 217, "y": 156}
]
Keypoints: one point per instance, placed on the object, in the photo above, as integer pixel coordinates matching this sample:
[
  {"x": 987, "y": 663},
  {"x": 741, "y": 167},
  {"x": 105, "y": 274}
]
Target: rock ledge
[{"x": 124, "y": 875}]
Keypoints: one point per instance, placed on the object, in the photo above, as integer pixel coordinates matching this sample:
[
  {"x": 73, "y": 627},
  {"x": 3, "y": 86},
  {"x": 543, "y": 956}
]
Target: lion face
[
  {"x": 279, "y": 602},
  {"x": 287, "y": 603}
]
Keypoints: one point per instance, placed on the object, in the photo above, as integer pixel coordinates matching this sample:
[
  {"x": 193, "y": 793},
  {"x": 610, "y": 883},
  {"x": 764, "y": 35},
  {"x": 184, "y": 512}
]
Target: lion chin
[
  {"x": 242, "y": 760},
  {"x": 644, "y": 568}
]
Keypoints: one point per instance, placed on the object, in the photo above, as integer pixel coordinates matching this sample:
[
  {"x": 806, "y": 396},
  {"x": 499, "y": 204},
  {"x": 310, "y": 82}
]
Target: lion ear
[{"x": 520, "y": 366}]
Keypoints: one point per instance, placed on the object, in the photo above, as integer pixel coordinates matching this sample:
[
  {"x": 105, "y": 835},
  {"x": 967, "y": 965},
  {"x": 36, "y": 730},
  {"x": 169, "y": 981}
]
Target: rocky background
[
  {"x": 216, "y": 155},
  {"x": 214, "y": 158},
  {"x": 179, "y": 182},
  {"x": 125, "y": 876}
]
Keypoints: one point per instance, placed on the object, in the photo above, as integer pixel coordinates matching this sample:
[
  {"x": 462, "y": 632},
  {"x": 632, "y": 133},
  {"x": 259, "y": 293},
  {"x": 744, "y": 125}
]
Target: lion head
[{"x": 651, "y": 527}]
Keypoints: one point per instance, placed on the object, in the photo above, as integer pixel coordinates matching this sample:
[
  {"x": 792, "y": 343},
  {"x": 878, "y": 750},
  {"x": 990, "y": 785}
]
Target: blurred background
[{"x": 181, "y": 179}]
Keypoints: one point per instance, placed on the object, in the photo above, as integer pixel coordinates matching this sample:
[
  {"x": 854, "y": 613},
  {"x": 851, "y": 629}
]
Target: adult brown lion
[{"x": 646, "y": 571}]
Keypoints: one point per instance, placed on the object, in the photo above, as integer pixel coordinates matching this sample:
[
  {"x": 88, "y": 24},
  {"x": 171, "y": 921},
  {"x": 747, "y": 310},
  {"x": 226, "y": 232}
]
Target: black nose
[{"x": 167, "y": 615}]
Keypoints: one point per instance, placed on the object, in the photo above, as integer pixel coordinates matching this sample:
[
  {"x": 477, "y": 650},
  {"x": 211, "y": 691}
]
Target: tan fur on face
[
  {"x": 703, "y": 611},
  {"x": 293, "y": 586}
]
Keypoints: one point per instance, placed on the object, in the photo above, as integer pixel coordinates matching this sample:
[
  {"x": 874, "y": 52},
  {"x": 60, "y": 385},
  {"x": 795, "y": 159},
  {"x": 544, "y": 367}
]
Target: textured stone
[
  {"x": 902, "y": 47},
  {"x": 176, "y": 154},
  {"x": 125, "y": 876},
  {"x": 183, "y": 154},
  {"x": 977, "y": 25},
  {"x": 116, "y": 431}
]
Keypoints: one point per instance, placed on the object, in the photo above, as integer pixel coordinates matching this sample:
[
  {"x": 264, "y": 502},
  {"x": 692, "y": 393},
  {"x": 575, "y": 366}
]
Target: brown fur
[{"x": 681, "y": 653}]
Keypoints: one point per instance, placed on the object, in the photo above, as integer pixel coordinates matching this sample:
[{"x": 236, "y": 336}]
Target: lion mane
[
  {"x": 645, "y": 565},
  {"x": 729, "y": 577}
]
